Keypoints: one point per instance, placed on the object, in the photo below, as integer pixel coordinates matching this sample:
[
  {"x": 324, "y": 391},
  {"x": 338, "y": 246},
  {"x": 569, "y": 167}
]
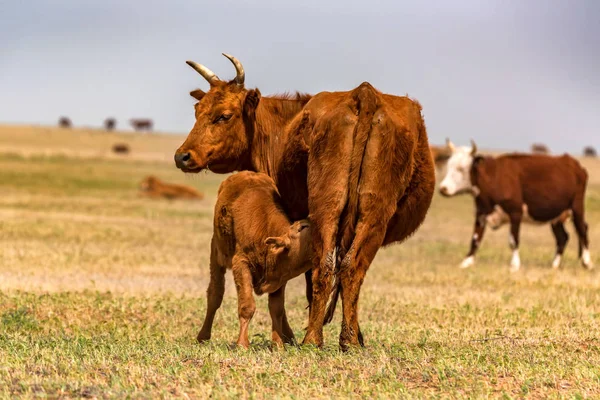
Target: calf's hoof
[
  {"x": 244, "y": 344},
  {"x": 467, "y": 262}
]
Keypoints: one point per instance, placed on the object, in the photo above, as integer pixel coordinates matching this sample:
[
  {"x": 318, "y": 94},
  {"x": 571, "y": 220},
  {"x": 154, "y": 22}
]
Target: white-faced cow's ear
[
  {"x": 473, "y": 147},
  {"x": 197, "y": 94},
  {"x": 251, "y": 101}
]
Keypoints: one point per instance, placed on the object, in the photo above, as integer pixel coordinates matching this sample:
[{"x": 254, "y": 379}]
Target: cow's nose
[
  {"x": 182, "y": 159},
  {"x": 444, "y": 191}
]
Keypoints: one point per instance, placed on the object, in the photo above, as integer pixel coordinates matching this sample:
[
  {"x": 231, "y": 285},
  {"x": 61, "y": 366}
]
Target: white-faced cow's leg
[
  {"x": 562, "y": 237},
  {"x": 582, "y": 228},
  {"x": 214, "y": 294},
  {"x": 478, "y": 232},
  {"x": 513, "y": 239},
  {"x": 246, "y": 304}
]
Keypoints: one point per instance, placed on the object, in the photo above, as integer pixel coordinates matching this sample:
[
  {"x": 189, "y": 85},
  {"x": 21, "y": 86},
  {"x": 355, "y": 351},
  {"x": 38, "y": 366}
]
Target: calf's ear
[
  {"x": 277, "y": 244},
  {"x": 197, "y": 94}
]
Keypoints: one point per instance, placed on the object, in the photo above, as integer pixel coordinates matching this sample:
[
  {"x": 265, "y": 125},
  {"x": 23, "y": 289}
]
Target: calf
[
  {"x": 151, "y": 186},
  {"x": 253, "y": 237},
  {"x": 517, "y": 187}
]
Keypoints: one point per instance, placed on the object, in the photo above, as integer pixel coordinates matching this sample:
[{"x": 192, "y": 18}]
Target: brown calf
[
  {"x": 151, "y": 186},
  {"x": 519, "y": 188},
  {"x": 253, "y": 237}
]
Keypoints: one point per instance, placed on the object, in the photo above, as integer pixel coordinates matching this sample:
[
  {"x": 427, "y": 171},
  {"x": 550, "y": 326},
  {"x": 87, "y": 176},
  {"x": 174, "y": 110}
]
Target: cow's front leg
[
  {"x": 513, "y": 240},
  {"x": 478, "y": 232}
]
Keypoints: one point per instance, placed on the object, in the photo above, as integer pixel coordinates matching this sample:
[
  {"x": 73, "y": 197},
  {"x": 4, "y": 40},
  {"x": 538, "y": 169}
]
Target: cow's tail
[{"x": 366, "y": 102}]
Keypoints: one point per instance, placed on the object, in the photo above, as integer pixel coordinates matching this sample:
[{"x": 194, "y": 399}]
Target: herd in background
[{"x": 110, "y": 124}]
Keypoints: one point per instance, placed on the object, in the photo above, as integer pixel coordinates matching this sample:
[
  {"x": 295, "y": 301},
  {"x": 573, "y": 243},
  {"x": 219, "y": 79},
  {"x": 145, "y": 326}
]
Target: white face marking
[
  {"x": 556, "y": 262},
  {"x": 515, "y": 262},
  {"x": 468, "y": 262},
  {"x": 586, "y": 259},
  {"x": 458, "y": 172}
]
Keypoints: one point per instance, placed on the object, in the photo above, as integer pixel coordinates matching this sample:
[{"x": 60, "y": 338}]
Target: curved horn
[
  {"x": 240, "y": 76},
  {"x": 473, "y": 148},
  {"x": 205, "y": 72},
  {"x": 450, "y": 145}
]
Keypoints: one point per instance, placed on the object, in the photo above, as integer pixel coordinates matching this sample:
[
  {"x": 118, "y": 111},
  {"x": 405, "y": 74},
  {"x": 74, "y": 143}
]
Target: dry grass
[{"x": 102, "y": 293}]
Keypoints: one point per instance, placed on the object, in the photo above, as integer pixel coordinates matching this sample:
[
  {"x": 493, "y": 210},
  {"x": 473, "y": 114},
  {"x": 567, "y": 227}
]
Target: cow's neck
[{"x": 270, "y": 135}]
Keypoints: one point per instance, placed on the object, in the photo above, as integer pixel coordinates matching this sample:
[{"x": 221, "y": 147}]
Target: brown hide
[
  {"x": 368, "y": 176},
  {"x": 151, "y": 186},
  {"x": 253, "y": 237}
]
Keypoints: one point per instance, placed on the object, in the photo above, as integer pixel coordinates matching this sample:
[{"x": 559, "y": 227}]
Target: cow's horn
[
  {"x": 473, "y": 148},
  {"x": 450, "y": 145},
  {"x": 205, "y": 72},
  {"x": 240, "y": 76}
]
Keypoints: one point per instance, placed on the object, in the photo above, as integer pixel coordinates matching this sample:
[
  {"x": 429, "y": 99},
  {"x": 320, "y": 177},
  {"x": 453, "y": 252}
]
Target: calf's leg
[
  {"x": 562, "y": 237},
  {"x": 281, "y": 332},
  {"x": 214, "y": 295},
  {"x": 246, "y": 304}
]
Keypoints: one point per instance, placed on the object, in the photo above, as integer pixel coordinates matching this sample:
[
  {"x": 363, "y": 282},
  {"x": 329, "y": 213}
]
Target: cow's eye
[{"x": 223, "y": 118}]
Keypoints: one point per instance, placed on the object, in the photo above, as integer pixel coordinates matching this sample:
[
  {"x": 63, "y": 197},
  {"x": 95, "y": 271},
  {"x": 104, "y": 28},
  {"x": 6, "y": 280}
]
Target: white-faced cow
[{"x": 517, "y": 188}]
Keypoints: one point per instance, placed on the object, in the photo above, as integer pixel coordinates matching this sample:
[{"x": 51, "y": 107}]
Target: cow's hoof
[
  {"x": 586, "y": 259},
  {"x": 556, "y": 262},
  {"x": 313, "y": 340},
  {"x": 202, "y": 338},
  {"x": 468, "y": 262}
]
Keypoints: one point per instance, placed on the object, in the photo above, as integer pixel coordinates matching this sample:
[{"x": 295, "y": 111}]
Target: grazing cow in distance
[
  {"x": 367, "y": 182},
  {"x": 253, "y": 237},
  {"x": 141, "y": 124},
  {"x": 151, "y": 186},
  {"x": 589, "y": 151},
  {"x": 110, "y": 124},
  {"x": 120, "y": 148},
  {"x": 539, "y": 148},
  {"x": 517, "y": 188},
  {"x": 64, "y": 122}
]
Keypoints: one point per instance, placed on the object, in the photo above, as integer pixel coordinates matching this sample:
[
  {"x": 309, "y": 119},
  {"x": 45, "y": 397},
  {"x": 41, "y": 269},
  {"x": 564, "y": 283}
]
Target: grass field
[{"x": 102, "y": 294}]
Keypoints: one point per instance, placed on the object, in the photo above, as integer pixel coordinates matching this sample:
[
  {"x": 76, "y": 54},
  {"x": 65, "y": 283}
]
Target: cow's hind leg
[
  {"x": 562, "y": 237},
  {"x": 246, "y": 304},
  {"x": 214, "y": 295},
  {"x": 513, "y": 240},
  {"x": 582, "y": 232},
  {"x": 281, "y": 332},
  {"x": 370, "y": 233}
]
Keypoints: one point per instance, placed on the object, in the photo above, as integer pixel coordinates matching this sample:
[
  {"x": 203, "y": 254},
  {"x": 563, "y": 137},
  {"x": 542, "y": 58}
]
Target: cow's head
[
  {"x": 293, "y": 248},
  {"x": 458, "y": 170},
  {"x": 221, "y": 136}
]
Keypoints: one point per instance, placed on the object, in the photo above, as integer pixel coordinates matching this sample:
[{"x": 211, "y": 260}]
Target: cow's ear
[
  {"x": 251, "y": 101},
  {"x": 198, "y": 94},
  {"x": 277, "y": 244}
]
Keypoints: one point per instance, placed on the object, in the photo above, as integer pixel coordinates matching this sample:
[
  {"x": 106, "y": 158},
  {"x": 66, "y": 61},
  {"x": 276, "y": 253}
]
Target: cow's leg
[
  {"x": 370, "y": 233},
  {"x": 582, "y": 232},
  {"x": 214, "y": 295},
  {"x": 562, "y": 237},
  {"x": 246, "y": 305},
  {"x": 513, "y": 240},
  {"x": 281, "y": 332},
  {"x": 478, "y": 232}
]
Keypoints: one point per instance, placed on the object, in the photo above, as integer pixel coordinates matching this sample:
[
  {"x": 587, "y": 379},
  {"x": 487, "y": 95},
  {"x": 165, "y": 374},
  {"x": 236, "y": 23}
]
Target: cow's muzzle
[{"x": 184, "y": 160}]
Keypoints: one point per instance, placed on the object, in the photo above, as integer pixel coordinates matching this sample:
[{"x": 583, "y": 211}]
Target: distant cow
[
  {"x": 110, "y": 124},
  {"x": 141, "y": 124},
  {"x": 519, "y": 188},
  {"x": 151, "y": 186},
  {"x": 64, "y": 122},
  {"x": 589, "y": 151},
  {"x": 253, "y": 237},
  {"x": 120, "y": 148},
  {"x": 539, "y": 148}
]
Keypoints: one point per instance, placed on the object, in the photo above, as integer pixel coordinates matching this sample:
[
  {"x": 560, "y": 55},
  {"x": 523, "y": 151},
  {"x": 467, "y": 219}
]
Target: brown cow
[
  {"x": 589, "y": 151},
  {"x": 520, "y": 188},
  {"x": 369, "y": 174},
  {"x": 64, "y": 122},
  {"x": 110, "y": 124},
  {"x": 151, "y": 186},
  {"x": 539, "y": 148},
  {"x": 120, "y": 148},
  {"x": 141, "y": 124},
  {"x": 253, "y": 237}
]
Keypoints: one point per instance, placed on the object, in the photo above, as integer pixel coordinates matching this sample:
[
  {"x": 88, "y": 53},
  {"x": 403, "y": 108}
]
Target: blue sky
[{"x": 505, "y": 73}]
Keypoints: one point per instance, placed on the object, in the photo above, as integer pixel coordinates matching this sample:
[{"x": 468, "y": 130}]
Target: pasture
[{"x": 102, "y": 293}]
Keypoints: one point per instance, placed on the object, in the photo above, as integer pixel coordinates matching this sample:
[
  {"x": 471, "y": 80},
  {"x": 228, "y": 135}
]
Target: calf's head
[
  {"x": 458, "y": 170},
  {"x": 221, "y": 137},
  {"x": 294, "y": 248}
]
